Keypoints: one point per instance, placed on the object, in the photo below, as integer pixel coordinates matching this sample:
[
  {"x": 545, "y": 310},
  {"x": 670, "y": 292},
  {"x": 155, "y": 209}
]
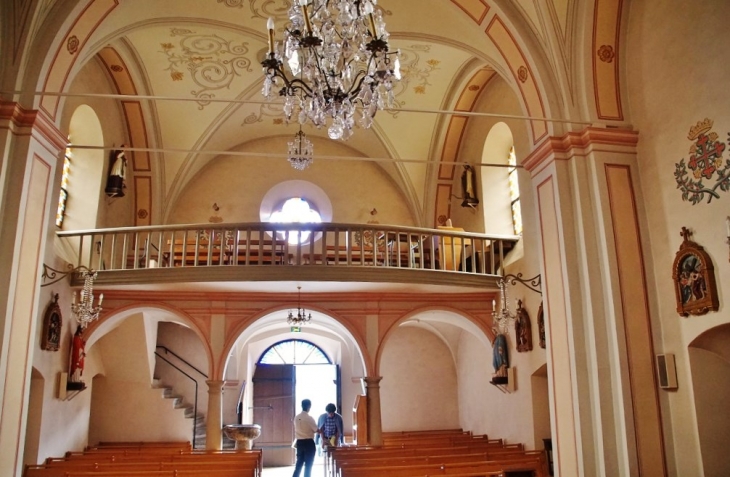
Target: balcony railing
[{"x": 271, "y": 246}]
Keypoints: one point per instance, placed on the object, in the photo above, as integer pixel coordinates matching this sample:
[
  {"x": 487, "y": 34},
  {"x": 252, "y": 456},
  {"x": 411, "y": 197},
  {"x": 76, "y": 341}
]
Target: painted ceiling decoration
[{"x": 207, "y": 55}]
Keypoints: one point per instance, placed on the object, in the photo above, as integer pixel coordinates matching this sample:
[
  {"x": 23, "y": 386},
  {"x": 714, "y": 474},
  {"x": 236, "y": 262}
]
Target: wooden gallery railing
[{"x": 289, "y": 245}]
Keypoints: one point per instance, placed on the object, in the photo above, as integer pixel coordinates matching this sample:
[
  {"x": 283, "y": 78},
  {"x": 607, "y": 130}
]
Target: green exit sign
[{"x": 296, "y": 329}]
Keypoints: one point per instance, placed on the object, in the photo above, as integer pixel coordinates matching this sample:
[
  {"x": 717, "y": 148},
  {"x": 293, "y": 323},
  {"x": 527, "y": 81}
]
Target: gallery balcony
[{"x": 269, "y": 252}]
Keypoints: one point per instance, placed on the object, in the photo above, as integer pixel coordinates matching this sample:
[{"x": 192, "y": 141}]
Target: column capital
[
  {"x": 579, "y": 143},
  {"x": 372, "y": 381},
  {"x": 215, "y": 385},
  {"x": 41, "y": 126}
]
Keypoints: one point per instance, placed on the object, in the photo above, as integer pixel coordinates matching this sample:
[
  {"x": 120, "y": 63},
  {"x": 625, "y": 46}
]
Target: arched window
[
  {"x": 63, "y": 195},
  {"x": 514, "y": 192},
  {"x": 294, "y": 352},
  {"x": 296, "y": 210}
]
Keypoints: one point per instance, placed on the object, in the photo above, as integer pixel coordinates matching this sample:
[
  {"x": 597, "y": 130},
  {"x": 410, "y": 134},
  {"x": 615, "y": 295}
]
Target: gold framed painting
[
  {"x": 52, "y": 323},
  {"x": 694, "y": 279}
]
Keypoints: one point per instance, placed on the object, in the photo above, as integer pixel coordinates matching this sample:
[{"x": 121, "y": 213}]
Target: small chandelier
[
  {"x": 302, "y": 317},
  {"x": 503, "y": 319},
  {"x": 336, "y": 55},
  {"x": 85, "y": 311},
  {"x": 300, "y": 151}
]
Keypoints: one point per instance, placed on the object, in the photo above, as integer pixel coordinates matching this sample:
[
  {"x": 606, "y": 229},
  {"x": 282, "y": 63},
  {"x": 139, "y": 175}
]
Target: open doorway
[
  {"x": 319, "y": 384},
  {"x": 286, "y": 373}
]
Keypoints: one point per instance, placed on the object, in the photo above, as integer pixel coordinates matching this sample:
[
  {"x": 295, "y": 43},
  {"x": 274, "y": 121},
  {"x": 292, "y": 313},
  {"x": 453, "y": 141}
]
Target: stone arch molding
[
  {"x": 270, "y": 321},
  {"x": 156, "y": 313},
  {"x": 424, "y": 318}
]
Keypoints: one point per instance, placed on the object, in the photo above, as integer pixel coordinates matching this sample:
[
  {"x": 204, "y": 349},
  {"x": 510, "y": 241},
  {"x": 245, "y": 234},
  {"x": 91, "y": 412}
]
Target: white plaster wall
[
  {"x": 185, "y": 343},
  {"x": 676, "y": 72},
  {"x": 238, "y": 184},
  {"x": 419, "y": 386},
  {"x": 124, "y": 406}
]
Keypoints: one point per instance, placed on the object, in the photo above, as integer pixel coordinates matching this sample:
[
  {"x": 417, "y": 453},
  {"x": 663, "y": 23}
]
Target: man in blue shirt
[{"x": 330, "y": 427}]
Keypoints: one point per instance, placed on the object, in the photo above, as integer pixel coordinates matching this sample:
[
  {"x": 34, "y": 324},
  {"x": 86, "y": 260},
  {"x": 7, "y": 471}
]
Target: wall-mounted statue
[
  {"x": 469, "y": 187},
  {"x": 523, "y": 329},
  {"x": 115, "y": 183}
]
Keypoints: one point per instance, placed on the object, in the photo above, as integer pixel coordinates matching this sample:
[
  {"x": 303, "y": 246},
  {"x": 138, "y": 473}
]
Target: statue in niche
[
  {"x": 52, "y": 323},
  {"x": 523, "y": 329},
  {"x": 116, "y": 182},
  {"x": 469, "y": 187}
]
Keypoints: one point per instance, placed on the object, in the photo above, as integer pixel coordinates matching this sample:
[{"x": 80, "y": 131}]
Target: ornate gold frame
[
  {"x": 52, "y": 325},
  {"x": 694, "y": 279}
]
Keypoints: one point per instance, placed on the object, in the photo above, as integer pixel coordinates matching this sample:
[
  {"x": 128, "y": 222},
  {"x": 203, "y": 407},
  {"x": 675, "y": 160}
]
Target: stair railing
[
  {"x": 195, "y": 405},
  {"x": 169, "y": 351}
]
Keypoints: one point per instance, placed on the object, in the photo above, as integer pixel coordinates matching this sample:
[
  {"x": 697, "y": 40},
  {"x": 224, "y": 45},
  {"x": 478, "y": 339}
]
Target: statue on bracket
[
  {"x": 469, "y": 187},
  {"x": 500, "y": 359},
  {"x": 694, "y": 279},
  {"x": 523, "y": 329},
  {"x": 116, "y": 182}
]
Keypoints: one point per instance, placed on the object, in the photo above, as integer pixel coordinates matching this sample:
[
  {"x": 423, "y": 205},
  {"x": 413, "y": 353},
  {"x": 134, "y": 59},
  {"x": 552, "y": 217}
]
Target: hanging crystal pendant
[{"x": 301, "y": 151}]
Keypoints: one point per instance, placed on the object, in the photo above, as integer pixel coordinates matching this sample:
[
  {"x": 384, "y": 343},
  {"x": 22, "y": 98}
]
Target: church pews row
[
  {"x": 149, "y": 459},
  {"x": 424, "y": 453}
]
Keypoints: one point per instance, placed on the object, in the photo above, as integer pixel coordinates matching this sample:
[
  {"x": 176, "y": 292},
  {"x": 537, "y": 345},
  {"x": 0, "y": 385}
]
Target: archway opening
[
  {"x": 35, "y": 417},
  {"x": 709, "y": 359}
]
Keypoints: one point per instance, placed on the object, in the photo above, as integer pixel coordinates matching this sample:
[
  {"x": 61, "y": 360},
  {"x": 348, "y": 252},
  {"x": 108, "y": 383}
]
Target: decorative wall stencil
[
  {"x": 694, "y": 279},
  {"x": 72, "y": 45},
  {"x": 522, "y": 74},
  {"x": 606, "y": 54},
  {"x": 704, "y": 161},
  {"x": 212, "y": 61},
  {"x": 232, "y": 3}
]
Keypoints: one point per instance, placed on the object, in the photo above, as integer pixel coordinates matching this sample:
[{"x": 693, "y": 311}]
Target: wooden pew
[{"x": 150, "y": 459}]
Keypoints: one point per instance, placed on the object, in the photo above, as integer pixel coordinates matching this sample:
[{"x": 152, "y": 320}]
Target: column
[
  {"x": 30, "y": 146},
  {"x": 375, "y": 428},
  {"x": 604, "y": 407},
  {"x": 214, "y": 419}
]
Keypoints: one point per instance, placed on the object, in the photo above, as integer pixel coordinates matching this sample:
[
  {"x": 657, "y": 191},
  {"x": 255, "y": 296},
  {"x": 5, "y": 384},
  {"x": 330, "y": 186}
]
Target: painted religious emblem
[
  {"x": 705, "y": 171},
  {"x": 694, "y": 279}
]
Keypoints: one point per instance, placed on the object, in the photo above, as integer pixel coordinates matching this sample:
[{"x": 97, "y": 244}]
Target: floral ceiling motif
[{"x": 212, "y": 62}]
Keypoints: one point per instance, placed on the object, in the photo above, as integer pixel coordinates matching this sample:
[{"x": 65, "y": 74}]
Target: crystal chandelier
[
  {"x": 336, "y": 55},
  {"x": 85, "y": 311},
  {"x": 302, "y": 317},
  {"x": 300, "y": 151},
  {"x": 502, "y": 319}
]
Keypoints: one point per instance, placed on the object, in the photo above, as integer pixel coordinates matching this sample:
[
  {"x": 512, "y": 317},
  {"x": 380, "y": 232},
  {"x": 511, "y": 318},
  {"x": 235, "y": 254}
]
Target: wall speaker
[{"x": 667, "y": 371}]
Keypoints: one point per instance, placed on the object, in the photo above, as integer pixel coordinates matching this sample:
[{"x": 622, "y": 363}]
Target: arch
[
  {"x": 309, "y": 347},
  {"x": 495, "y": 180},
  {"x": 270, "y": 321},
  {"x": 35, "y": 418},
  {"x": 540, "y": 406},
  {"x": 157, "y": 311},
  {"x": 455, "y": 317},
  {"x": 709, "y": 360},
  {"x": 87, "y": 168}
]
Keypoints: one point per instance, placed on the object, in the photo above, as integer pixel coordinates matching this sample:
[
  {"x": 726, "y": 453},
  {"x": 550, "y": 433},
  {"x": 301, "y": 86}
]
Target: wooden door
[{"x": 273, "y": 410}]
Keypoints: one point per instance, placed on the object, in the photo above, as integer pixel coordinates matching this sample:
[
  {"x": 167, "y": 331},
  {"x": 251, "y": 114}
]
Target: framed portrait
[
  {"x": 694, "y": 279},
  {"x": 52, "y": 322}
]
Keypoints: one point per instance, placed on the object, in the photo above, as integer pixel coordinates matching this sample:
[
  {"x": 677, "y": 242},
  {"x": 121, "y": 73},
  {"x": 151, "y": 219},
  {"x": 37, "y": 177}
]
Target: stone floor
[{"x": 317, "y": 471}]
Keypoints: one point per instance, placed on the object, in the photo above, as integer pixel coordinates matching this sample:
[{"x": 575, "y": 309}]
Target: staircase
[{"x": 189, "y": 412}]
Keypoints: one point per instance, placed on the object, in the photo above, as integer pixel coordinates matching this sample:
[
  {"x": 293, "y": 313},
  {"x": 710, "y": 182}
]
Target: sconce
[{"x": 85, "y": 311}]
